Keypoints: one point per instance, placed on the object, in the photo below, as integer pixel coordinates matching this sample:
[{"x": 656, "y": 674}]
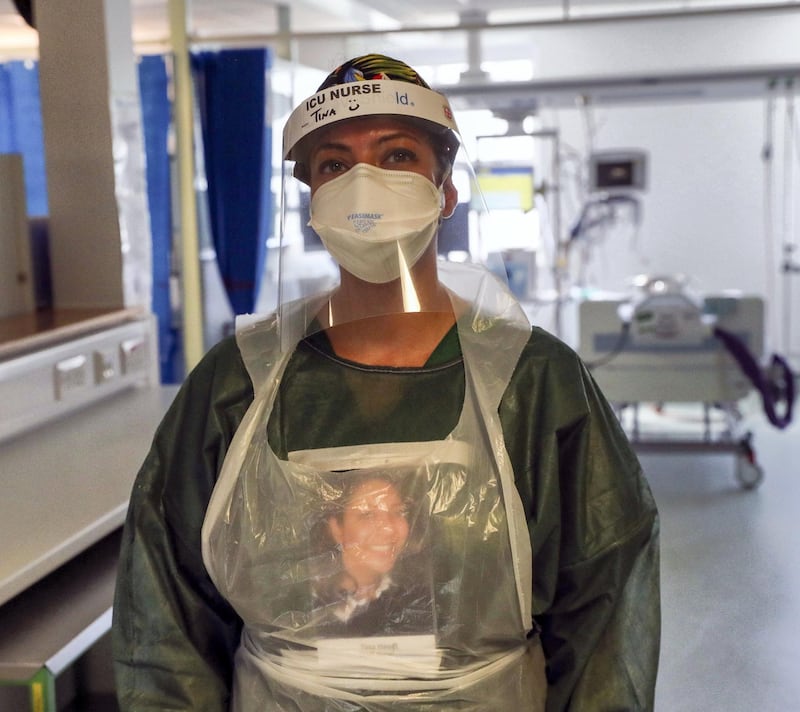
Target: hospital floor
[{"x": 730, "y": 578}]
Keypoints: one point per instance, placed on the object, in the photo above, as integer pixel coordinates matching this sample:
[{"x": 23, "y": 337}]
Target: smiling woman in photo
[{"x": 380, "y": 580}]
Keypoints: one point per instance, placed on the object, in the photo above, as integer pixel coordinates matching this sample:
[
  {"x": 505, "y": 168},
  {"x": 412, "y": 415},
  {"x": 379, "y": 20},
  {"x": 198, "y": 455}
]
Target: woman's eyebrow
[
  {"x": 398, "y": 135},
  {"x": 347, "y": 149},
  {"x": 332, "y": 146}
]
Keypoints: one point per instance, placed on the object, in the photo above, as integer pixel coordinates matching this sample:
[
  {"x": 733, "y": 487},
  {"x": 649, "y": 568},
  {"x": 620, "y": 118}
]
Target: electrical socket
[
  {"x": 134, "y": 355},
  {"x": 72, "y": 376},
  {"x": 105, "y": 366}
]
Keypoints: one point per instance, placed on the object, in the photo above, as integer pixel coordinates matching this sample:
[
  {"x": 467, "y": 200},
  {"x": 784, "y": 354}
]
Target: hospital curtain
[
  {"x": 231, "y": 99},
  {"x": 156, "y": 118},
  {"x": 21, "y": 132},
  {"x": 21, "y": 128}
]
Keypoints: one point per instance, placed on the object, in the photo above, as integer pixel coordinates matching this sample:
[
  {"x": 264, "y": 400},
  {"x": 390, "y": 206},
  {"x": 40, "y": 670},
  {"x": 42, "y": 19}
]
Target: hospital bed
[{"x": 678, "y": 369}]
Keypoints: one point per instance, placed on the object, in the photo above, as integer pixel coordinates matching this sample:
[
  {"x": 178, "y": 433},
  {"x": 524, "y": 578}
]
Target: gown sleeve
[
  {"x": 173, "y": 635},
  {"x": 594, "y": 531}
]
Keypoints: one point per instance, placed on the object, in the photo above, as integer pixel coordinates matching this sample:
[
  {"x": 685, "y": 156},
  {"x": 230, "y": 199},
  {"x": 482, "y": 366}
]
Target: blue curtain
[
  {"x": 156, "y": 117},
  {"x": 21, "y": 128},
  {"x": 231, "y": 98}
]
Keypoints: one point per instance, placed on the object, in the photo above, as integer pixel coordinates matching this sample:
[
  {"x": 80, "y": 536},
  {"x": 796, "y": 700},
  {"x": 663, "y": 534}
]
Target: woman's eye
[
  {"x": 331, "y": 166},
  {"x": 401, "y": 155}
]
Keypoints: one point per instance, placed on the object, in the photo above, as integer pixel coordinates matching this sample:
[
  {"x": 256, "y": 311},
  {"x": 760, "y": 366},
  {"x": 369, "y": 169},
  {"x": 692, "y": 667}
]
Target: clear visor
[{"x": 371, "y": 209}]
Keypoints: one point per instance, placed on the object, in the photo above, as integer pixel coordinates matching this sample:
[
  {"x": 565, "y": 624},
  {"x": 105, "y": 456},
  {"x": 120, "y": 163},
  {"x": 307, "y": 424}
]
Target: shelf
[
  {"x": 56, "y": 620},
  {"x": 24, "y": 333}
]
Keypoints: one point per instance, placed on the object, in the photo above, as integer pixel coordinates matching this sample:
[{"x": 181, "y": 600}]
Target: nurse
[{"x": 541, "y": 536}]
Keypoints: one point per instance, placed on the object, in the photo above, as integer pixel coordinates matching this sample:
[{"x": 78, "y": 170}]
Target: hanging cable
[
  {"x": 790, "y": 265},
  {"x": 616, "y": 349},
  {"x": 775, "y": 384},
  {"x": 587, "y": 115},
  {"x": 768, "y": 158}
]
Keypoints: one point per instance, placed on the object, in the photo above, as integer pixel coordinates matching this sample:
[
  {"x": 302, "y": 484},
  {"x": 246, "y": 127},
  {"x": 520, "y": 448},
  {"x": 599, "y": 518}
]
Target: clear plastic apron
[{"x": 449, "y": 621}]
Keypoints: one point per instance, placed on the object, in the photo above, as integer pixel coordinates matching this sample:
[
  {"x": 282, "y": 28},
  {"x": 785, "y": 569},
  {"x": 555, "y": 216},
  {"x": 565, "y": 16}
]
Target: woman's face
[
  {"x": 379, "y": 141},
  {"x": 371, "y": 530}
]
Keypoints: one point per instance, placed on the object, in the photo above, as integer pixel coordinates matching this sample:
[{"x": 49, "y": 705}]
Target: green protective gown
[{"x": 592, "y": 520}]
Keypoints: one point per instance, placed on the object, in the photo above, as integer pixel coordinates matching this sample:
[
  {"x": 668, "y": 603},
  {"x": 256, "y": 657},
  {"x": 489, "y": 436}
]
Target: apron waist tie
[{"x": 289, "y": 672}]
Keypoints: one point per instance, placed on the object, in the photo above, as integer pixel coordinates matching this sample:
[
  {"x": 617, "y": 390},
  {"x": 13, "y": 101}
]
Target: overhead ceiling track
[
  {"x": 528, "y": 96},
  {"x": 567, "y": 19}
]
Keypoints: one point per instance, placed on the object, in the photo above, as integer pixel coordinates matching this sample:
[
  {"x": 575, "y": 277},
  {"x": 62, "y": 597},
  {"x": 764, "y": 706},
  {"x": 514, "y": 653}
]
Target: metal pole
[{"x": 192, "y": 301}]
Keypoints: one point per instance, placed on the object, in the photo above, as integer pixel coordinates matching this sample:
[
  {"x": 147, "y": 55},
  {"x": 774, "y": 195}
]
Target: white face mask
[{"x": 372, "y": 220}]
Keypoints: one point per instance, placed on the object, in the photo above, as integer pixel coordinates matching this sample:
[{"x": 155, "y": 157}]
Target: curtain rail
[{"x": 678, "y": 13}]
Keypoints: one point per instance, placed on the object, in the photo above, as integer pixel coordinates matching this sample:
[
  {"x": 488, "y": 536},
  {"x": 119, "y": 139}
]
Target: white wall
[{"x": 703, "y": 209}]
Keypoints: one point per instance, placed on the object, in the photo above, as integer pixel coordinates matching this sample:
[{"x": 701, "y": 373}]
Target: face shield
[{"x": 367, "y": 190}]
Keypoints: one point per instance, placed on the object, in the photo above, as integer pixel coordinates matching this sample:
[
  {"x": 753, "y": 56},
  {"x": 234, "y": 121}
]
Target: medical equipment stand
[{"x": 749, "y": 474}]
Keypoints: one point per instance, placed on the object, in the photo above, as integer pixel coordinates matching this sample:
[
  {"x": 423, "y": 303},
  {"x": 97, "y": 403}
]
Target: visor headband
[{"x": 365, "y": 98}]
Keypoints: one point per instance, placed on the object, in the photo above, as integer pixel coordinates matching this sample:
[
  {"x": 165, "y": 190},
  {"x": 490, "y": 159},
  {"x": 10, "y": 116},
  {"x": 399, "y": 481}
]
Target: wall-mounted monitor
[{"x": 617, "y": 171}]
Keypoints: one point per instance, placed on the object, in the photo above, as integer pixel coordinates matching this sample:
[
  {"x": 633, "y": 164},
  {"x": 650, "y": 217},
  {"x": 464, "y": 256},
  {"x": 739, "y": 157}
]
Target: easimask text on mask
[{"x": 373, "y": 220}]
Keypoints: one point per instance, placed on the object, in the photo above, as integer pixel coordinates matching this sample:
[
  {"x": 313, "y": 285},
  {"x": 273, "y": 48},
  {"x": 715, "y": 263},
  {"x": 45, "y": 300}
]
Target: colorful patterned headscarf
[{"x": 372, "y": 66}]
